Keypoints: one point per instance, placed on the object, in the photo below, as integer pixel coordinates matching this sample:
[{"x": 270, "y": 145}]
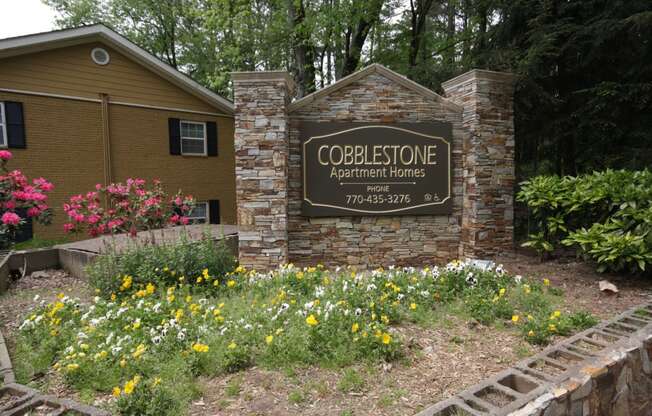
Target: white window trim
[
  {"x": 4, "y": 126},
  {"x": 206, "y": 219},
  {"x": 205, "y": 153}
]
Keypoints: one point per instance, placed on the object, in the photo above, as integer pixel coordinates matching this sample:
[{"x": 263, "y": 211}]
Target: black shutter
[
  {"x": 25, "y": 231},
  {"x": 174, "y": 127},
  {"x": 211, "y": 138},
  {"x": 214, "y": 211},
  {"x": 15, "y": 125}
]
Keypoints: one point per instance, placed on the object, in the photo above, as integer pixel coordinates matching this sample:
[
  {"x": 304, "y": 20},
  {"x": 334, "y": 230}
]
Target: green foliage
[
  {"x": 147, "y": 347},
  {"x": 607, "y": 215},
  {"x": 38, "y": 242},
  {"x": 163, "y": 265}
]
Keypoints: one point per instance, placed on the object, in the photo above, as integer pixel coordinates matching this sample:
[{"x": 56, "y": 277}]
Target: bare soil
[{"x": 439, "y": 361}]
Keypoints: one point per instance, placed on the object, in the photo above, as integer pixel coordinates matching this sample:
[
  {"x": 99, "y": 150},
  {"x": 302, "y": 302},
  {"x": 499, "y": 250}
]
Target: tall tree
[{"x": 419, "y": 10}]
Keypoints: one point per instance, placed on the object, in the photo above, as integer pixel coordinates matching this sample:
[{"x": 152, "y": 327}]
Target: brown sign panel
[{"x": 376, "y": 169}]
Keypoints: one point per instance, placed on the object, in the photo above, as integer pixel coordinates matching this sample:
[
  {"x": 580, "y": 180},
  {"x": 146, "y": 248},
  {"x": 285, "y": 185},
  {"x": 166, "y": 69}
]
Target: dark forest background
[{"x": 583, "y": 102}]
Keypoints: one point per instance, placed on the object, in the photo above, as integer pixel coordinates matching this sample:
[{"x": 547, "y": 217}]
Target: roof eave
[{"x": 57, "y": 39}]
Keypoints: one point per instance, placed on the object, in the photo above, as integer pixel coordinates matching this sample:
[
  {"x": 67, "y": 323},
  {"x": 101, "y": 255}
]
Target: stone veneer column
[
  {"x": 261, "y": 166},
  {"x": 488, "y": 159}
]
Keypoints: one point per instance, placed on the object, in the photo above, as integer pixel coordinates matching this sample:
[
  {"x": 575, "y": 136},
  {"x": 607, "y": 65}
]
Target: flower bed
[{"x": 146, "y": 345}]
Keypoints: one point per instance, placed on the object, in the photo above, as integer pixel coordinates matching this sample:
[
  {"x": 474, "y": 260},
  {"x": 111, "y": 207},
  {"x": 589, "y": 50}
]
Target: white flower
[
  {"x": 518, "y": 278},
  {"x": 36, "y": 298}
]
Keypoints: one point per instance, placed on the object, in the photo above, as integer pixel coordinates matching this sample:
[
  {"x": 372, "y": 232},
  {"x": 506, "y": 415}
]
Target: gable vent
[{"x": 100, "y": 56}]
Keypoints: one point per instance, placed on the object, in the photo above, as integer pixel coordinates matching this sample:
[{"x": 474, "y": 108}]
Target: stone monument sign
[{"x": 373, "y": 170}]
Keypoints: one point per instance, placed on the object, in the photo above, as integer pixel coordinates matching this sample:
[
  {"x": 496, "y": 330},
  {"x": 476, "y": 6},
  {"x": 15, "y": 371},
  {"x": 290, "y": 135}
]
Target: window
[
  {"x": 3, "y": 126},
  {"x": 193, "y": 138},
  {"x": 199, "y": 214}
]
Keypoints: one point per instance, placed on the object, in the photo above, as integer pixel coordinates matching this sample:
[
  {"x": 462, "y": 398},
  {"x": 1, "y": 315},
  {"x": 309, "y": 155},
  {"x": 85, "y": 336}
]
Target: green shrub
[
  {"x": 203, "y": 263},
  {"x": 606, "y": 215}
]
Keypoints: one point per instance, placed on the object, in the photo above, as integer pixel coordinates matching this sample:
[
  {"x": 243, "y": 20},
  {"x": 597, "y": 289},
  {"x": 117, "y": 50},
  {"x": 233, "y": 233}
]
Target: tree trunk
[
  {"x": 357, "y": 36},
  {"x": 418, "y": 16},
  {"x": 302, "y": 48}
]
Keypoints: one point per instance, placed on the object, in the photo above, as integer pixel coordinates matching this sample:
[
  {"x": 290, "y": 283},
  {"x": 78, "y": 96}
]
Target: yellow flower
[
  {"x": 239, "y": 269},
  {"x": 150, "y": 288},
  {"x": 136, "y": 325},
  {"x": 230, "y": 283},
  {"x": 387, "y": 338},
  {"x": 531, "y": 333},
  {"x": 205, "y": 274},
  {"x": 355, "y": 327},
  {"x": 384, "y": 318},
  {"x": 171, "y": 298},
  {"x": 113, "y": 297},
  {"x": 502, "y": 291},
  {"x": 311, "y": 320},
  {"x": 140, "y": 350},
  {"x": 61, "y": 295},
  {"x": 72, "y": 367},
  {"x": 123, "y": 363},
  {"x": 232, "y": 345},
  {"x": 546, "y": 282},
  {"x": 299, "y": 275},
  {"x": 157, "y": 381},
  {"x": 269, "y": 339},
  {"x": 129, "y": 387},
  {"x": 413, "y": 306},
  {"x": 178, "y": 314},
  {"x": 527, "y": 289},
  {"x": 200, "y": 279},
  {"x": 197, "y": 347},
  {"x": 552, "y": 328},
  {"x": 116, "y": 391},
  {"x": 84, "y": 346},
  {"x": 515, "y": 318},
  {"x": 188, "y": 299},
  {"x": 556, "y": 314},
  {"x": 530, "y": 317}
]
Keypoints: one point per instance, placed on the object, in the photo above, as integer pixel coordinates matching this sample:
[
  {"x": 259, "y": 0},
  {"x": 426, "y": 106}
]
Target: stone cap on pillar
[
  {"x": 264, "y": 76},
  {"x": 507, "y": 78}
]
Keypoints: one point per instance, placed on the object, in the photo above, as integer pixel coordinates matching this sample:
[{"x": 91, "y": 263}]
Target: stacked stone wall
[{"x": 370, "y": 241}]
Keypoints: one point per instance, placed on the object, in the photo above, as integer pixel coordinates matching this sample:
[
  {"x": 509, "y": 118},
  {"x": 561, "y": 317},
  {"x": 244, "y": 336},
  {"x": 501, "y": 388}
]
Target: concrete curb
[{"x": 561, "y": 380}]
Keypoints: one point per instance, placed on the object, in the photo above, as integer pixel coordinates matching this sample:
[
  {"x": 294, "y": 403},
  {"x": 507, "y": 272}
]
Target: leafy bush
[
  {"x": 146, "y": 347},
  {"x": 203, "y": 263},
  {"x": 20, "y": 200},
  {"x": 606, "y": 215},
  {"x": 132, "y": 207}
]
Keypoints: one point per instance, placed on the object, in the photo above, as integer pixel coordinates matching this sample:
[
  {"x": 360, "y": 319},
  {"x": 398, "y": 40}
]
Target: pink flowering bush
[
  {"x": 20, "y": 199},
  {"x": 126, "y": 208}
]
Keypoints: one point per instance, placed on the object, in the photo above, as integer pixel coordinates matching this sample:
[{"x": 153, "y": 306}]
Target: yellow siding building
[{"x": 86, "y": 106}]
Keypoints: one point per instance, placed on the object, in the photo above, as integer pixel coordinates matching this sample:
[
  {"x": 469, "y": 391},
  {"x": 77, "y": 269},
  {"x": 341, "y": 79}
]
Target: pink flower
[
  {"x": 68, "y": 227},
  {"x": 93, "y": 219},
  {"x": 11, "y": 204},
  {"x": 5, "y": 155},
  {"x": 10, "y": 218},
  {"x": 33, "y": 212},
  {"x": 43, "y": 184}
]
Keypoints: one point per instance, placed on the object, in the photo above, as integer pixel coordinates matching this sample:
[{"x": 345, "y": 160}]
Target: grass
[
  {"x": 351, "y": 381},
  {"x": 38, "y": 242}
]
